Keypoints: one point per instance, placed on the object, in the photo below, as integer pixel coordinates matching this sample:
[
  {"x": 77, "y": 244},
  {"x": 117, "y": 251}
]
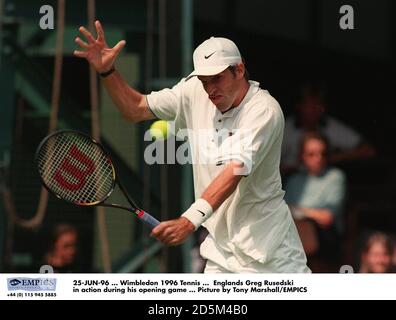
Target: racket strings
[
  {"x": 99, "y": 182},
  {"x": 94, "y": 186},
  {"x": 75, "y": 168}
]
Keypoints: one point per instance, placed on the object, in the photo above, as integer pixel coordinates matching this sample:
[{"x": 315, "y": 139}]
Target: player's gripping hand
[
  {"x": 173, "y": 232},
  {"x": 96, "y": 51}
]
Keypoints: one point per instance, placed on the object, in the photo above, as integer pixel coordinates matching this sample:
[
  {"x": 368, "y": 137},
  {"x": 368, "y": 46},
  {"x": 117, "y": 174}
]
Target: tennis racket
[{"x": 77, "y": 169}]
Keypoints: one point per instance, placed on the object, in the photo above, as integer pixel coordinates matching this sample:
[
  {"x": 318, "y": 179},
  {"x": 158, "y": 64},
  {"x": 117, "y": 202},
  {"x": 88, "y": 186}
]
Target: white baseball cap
[{"x": 214, "y": 56}]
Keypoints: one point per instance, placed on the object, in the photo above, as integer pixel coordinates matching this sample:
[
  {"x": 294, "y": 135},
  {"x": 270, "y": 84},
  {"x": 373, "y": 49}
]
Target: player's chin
[{"x": 217, "y": 100}]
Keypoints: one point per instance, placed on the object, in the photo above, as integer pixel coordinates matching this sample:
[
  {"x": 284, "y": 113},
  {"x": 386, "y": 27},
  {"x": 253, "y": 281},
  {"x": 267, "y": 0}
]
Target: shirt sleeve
[
  {"x": 166, "y": 104},
  {"x": 341, "y": 136},
  {"x": 260, "y": 132}
]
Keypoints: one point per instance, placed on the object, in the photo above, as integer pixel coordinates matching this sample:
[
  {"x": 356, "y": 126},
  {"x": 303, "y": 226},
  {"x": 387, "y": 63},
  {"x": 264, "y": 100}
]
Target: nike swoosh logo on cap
[
  {"x": 209, "y": 55},
  {"x": 203, "y": 214}
]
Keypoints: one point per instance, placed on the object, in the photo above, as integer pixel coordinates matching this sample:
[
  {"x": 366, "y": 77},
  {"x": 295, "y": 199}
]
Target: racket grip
[{"x": 148, "y": 219}]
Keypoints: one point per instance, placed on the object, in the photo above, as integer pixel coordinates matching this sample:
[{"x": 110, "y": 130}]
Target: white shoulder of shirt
[
  {"x": 191, "y": 84},
  {"x": 262, "y": 98}
]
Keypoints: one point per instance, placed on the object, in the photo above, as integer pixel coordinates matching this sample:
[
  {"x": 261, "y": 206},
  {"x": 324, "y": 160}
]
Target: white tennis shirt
[{"x": 254, "y": 221}]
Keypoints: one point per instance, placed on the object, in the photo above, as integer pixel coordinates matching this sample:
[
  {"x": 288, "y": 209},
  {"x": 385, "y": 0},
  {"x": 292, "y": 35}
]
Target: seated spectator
[
  {"x": 63, "y": 249},
  {"x": 344, "y": 142},
  {"x": 394, "y": 255},
  {"x": 376, "y": 255},
  {"x": 316, "y": 195}
]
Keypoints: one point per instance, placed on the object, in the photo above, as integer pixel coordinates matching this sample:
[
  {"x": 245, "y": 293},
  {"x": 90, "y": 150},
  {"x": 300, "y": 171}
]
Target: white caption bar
[{"x": 196, "y": 286}]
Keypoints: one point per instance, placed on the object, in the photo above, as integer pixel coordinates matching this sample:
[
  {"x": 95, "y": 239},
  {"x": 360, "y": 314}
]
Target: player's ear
[{"x": 240, "y": 70}]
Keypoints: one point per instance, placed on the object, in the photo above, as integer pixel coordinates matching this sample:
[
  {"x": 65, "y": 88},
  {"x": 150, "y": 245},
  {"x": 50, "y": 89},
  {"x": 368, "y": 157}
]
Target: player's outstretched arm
[{"x": 131, "y": 103}]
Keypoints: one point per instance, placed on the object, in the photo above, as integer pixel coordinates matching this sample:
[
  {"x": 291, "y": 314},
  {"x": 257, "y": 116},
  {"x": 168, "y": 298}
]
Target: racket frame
[
  {"x": 143, "y": 216},
  {"x": 134, "y": 208}
]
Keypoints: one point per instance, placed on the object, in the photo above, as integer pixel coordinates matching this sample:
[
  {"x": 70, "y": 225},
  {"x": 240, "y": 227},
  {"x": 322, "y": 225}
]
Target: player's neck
[{"x": 242, "y": 93}]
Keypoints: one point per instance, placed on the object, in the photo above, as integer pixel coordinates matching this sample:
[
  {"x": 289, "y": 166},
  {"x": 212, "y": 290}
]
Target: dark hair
[
  {"x": 313, "y": 135},
  {"x": 60, "y": 230},
  {"x": 378, "y": 237},
  {"x": 246, "y": 75}
]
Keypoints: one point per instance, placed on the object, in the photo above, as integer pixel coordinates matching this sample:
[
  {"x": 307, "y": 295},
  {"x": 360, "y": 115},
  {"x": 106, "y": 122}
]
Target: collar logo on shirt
[{"x": 209, "y": 55}]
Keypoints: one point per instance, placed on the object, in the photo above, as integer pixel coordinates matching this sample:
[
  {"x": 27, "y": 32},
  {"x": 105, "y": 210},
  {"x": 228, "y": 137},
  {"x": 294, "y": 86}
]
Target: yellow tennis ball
[{"x": 159, "y": 129}]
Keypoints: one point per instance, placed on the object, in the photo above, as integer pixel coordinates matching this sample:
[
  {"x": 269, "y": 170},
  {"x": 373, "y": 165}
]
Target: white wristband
[{"x": 199, "y": 211}]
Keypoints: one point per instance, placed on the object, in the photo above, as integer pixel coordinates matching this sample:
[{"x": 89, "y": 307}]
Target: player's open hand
[
  {"x": 96, "y": 51},
  {"x": 173, "y": 232}
]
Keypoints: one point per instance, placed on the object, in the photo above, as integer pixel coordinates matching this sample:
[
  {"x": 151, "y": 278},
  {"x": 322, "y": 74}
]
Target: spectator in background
[
  {"x": 394, "y": 255},
  {"x": 63, "y": 249},
  {"x": 316, "y": 195},
  {"x": 376, "y": 255},
  {"x": 344, "y": 142}
]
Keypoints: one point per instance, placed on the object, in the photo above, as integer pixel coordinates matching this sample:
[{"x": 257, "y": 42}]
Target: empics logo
[
  {"x": 31, "y": 284},
  {"x": 15, "y": 282}
]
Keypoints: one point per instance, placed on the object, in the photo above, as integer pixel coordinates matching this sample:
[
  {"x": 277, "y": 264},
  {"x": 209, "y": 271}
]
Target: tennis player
[{"x": 238, "y": 190}]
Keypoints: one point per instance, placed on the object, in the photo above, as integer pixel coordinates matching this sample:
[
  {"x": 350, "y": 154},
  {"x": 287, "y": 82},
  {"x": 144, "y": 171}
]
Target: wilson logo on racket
[{"x": 71, "y": 174}]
